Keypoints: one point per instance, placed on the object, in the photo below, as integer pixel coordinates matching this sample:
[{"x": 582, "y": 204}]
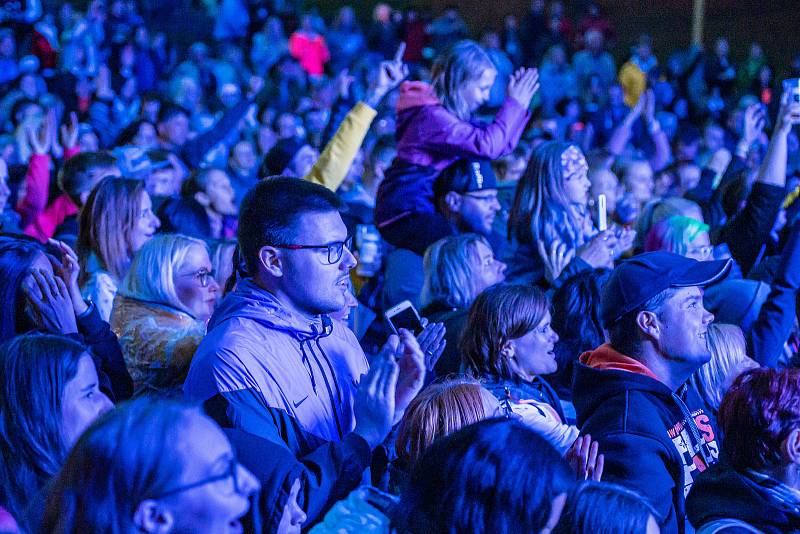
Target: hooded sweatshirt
[
  {"x": 429, "y": 138},
  {"x": 654, "y": 441},
  {"x": 261, "y": 358},
  {"x": 723, "y": 493}
]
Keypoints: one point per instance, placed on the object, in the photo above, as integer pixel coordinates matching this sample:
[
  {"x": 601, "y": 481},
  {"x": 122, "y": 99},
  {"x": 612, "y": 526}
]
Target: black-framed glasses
[
  {"x": 231, "y": 472},
  {"x": 204, "y": 276},
  {"x": 335, "y": 250}
]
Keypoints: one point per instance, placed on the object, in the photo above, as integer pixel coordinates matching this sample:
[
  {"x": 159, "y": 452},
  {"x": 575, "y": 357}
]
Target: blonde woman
[
  {"x": 161, "y": 310},
  {"x": 729, "y": 359},
  {"x": 456, "y": 270}
]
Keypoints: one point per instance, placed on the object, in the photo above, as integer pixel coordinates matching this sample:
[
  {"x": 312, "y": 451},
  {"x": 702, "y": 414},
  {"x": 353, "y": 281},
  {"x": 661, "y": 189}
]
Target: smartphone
[
  {"x": 602, "y": 214},
  {"x": 404, "y": 316},
  {"x": 792, "y": 86}
]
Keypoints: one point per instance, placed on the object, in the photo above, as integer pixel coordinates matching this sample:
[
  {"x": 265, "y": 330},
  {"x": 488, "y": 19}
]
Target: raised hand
[
  {"x": 69, "y": 133},
  {"x": 412, "y": 370},
  {"x": 556, "y": 260},
  {"x": 432, "y": 343},
  {"x": 788, "y": 114},
  {"x": 67, "y": 268},
  {"x": 375, "y": 402},
  {"x": 599, "y": 252},
  {"x": 39, "y": 138},
  {"x": 390, "y": 75},
  {"x": 50, "y": 302},
  {"x": 625, "y": 239},
  {"x": 584, "y": 459},
  {"x": 522, "y": 85}
]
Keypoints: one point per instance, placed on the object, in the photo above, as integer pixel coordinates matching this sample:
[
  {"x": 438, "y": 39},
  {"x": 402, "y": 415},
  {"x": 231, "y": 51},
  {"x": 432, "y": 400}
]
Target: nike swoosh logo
[{"x": 301, "y": 401}]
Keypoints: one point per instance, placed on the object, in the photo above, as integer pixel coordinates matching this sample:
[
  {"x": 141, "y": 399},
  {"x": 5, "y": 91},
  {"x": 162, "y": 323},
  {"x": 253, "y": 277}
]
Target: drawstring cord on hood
[
  {"x": 695, "y": 432},
  {"x": 316, "y": 335}
]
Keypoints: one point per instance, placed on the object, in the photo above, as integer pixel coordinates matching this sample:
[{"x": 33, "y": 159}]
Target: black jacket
[
  {"x": 723, "y": 493},
  {"x": 654, "y": 441}
]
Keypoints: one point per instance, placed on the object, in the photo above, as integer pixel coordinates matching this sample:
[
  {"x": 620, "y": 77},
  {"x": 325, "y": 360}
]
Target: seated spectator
[
  {"x": 728, "y": 360},
  {"x": 628, "y": 393},
  {"x": 493, "y": 476},
  {"x": 439, "y": 410},
  {"x": 755, "y": 489},
  {"x": 40, "y": 293},
  {"x": 114, "y": 224},
  {"x": 273, "y": 363},
  {"x": 76, "y": 179},
  {"x": 456, "y": 269},
  {"x": 309, "y": 48},
  {"x": 465, "y": 194},
  {"x": 680, "y": 235},
  {"x": 550, "y": 222},
  {"x": 161, "y": 310},
  {"x": 660, "y": 209},
  {"x": 206, "y": 208},
  {"x": 435, "y": 129},
  {"x": 48, "y": 396},
  {"x": 576, "y": 320},
  {"x": 508, "y": 342},
  {"x": 594, "y": 507},
  {"x": 222, "y": 253},
  {"x": 242, "y": 169},
  {"x": 179, "y": 476}
]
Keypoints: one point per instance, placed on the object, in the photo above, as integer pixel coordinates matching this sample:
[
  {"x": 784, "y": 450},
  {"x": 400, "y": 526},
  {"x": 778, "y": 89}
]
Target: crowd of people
[{"x": 205, "y": 233}]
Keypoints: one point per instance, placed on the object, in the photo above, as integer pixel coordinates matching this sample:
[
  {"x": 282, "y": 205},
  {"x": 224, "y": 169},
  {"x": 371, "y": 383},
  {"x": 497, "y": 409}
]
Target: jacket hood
[
  {"x": 604, "y": 373},
  {"x": 414, "y": 98},
  {"x": 252, "y": 302},
  {"x": 723, "y": 493},
  {"x": 415, "y": 94}
]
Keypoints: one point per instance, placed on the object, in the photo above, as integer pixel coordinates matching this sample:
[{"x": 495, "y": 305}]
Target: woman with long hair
[
  {"x": 115, "y": 222},
  {"x": 550, "y": 223},
  {"x": 49, "y": 393},
  {"x": 179, "y": 476},
  {"x": 456, "y": 270},
  {"x": 509, "y": 343},
  {"x": 39, "y": 293}
]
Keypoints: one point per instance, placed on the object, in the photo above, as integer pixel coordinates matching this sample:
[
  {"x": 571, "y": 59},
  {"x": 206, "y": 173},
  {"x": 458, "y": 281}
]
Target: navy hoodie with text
[{"x": 655, "y": 441}]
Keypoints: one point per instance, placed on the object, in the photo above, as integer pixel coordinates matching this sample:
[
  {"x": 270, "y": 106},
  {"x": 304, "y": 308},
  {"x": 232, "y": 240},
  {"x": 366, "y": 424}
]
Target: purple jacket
[{"x": 429, "y": 138}]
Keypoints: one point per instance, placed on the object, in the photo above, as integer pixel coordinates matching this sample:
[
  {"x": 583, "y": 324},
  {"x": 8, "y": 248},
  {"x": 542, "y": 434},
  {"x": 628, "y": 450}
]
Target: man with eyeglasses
[
  {"x": 276, "y": 366},
  {"x": 466, "y": 194}
]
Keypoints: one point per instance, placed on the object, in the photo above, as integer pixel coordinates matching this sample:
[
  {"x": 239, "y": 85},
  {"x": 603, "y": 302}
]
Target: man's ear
[
  {"x": 649, "y": 324},
  {"x": 202, "y": 199},
  {"x": 153, "y": 517},
  {"x": 271, "y": 261},
  {"x": 452, "y": 202}
]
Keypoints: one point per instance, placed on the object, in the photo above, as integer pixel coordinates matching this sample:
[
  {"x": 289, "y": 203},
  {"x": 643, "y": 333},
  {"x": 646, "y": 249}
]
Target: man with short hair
[
  {"x": 629, "y": 393},
  {"x": 276, "y": 366},
  {"x": 466, "y": 194}
]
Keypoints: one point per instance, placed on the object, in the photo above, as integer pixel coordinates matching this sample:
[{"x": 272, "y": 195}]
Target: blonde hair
[
  {"x": 728, "y": 359},
  {"x": 458, "y": 64},
  {"x": 152, "y": 273},
  {"x": 439, "y": 410},
  {"x": 449, "y": 279}
]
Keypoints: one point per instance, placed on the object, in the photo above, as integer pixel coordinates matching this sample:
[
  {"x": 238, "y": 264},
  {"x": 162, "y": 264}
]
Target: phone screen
[{"x": 407, "y": 319}]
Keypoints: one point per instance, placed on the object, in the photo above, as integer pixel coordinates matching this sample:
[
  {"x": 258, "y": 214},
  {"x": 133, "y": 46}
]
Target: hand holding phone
[
  {"x": 404, "y": 315},
  {"x": 602, "y": 221}
]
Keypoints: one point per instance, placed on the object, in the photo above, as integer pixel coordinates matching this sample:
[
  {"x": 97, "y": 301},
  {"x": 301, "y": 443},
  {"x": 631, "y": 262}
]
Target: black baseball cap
[
  {"x": 637, "y": 280},
  {"x": 465, "y": 176}
]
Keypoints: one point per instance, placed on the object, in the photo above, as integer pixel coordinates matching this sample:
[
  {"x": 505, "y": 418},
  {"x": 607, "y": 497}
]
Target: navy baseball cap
[
  {"x": 637, "y": 280},
  {"x": 465, "y": 176}
]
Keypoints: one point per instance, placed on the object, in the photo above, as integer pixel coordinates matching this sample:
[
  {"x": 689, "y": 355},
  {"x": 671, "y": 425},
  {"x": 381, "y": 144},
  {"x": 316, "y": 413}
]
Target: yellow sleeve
[{"x": 334, "y": 162}]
